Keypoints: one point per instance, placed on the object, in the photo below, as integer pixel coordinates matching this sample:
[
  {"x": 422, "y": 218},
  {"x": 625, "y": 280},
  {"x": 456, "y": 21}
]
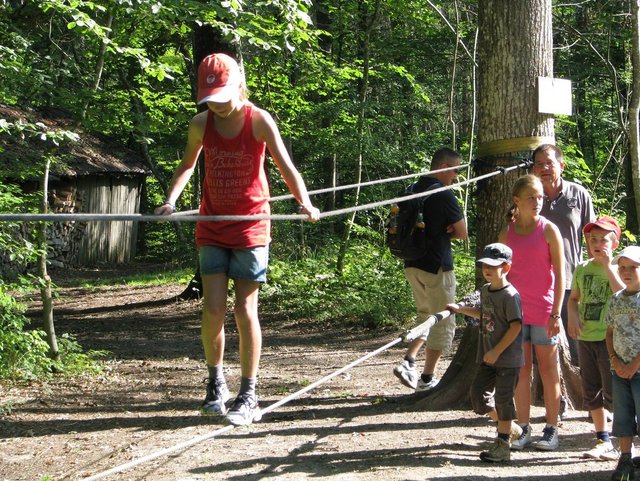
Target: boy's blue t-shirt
[{"x": 592, "y": 281}]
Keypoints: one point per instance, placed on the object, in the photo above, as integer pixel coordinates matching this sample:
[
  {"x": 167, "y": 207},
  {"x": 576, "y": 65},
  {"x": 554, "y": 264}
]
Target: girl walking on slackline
[{"x": 233, "y": 134}]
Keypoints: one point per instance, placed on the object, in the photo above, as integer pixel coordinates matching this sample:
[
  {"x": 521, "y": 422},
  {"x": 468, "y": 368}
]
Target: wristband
[
  {"x": 170, "y": 204},
  {"x": 555, "y": 316}
]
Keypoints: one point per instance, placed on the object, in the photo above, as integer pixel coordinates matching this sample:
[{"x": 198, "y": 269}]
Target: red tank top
[{"x": 235, "y": 183}]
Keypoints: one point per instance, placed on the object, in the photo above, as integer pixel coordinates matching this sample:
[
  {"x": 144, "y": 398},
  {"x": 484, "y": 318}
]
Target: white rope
[
  {"x": 350, "y": 186},
  {"x": 415, "y": 332},
  {"x": 183, "y": 217},
  {"x": 415, "y": 196}
]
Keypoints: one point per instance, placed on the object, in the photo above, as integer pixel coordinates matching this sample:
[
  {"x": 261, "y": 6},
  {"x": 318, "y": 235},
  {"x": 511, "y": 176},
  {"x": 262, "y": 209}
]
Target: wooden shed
[{"x": 92, "y": 175}]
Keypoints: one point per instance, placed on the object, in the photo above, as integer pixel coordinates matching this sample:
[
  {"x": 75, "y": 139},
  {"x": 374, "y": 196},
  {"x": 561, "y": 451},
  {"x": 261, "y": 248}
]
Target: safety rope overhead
[
  {"x": 350, "y": 186},
  {"x": 183, "y": 217}
]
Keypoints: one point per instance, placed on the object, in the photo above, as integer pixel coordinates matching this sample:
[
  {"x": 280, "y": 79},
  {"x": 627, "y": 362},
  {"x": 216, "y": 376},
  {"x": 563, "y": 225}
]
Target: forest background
[{"x": 361, "y": 90}]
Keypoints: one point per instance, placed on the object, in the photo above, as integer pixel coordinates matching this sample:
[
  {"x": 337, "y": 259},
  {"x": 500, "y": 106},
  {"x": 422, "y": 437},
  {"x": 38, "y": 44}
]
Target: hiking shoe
[
  {"x": 498, "y": 452},
  {"x": 244, "y": 410},
  {"x": 427, "y": 386},
  {"x": 603, "y": 450},
  {"x": 524, "y": 440},
  {"x": 549, "y": 440},
  {"x": 625, "y": 471},
  {"x": 515, "y": 433},
  {"x": 407, "y": 374},
  {"x": 217, "y": 396}
]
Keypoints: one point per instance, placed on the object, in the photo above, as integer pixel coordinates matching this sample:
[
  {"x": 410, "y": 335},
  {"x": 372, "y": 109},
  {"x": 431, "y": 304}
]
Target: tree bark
[
  {"x": 514, "y": 49},
  {"x": 367, "y": 22},
  {"x": 634, "y": 109},
  {"x": 45, "y": 287}
]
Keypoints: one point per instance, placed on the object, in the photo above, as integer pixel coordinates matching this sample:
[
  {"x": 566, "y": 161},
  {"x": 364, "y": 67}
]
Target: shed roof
[{"x": 92, "y": 154}]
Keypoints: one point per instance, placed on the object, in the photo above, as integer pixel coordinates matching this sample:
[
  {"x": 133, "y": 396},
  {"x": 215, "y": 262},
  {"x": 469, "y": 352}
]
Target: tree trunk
[
  {"x": 634, "y": 109},
  {"x": 367, "y": 22},
  {"x": 45, "y": 287},
  {"x": 514, "y": 49}
]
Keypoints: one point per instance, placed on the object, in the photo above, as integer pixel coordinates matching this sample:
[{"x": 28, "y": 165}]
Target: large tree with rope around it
[{"x": 514, "y": 49}]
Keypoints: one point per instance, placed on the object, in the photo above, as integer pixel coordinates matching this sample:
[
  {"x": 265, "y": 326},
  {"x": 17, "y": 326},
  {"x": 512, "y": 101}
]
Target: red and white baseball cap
[
  {"x": 606, "y": 223},
  {"x": 219, "y": 78}
]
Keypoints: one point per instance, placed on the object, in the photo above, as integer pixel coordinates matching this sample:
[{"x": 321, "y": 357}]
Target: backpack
[{"x": 406, "y": 237}]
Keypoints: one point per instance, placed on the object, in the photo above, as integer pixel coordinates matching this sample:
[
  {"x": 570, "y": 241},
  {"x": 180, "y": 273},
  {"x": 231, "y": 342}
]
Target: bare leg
[
  {"x": 414, "y": 347},
  {"x": 522, "y": 395},
  {"x": 214, "y": 287},
  {"x": 246, "y": 314},
  {"x": 548, "y": 367},
  {"x": 431, "y": 361}
]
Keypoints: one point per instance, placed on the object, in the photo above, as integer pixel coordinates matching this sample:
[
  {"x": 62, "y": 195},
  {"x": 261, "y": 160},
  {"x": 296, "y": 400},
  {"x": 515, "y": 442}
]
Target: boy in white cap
[
  {"x": 233, "y": 135},
  {"x": 500, "y": 352},
  {"x": 623, "y": 343},
  {"x": 593, "y": 283}
]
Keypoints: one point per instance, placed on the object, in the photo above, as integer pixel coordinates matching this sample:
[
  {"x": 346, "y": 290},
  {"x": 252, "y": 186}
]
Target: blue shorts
[
  {"x": 537, "y": 335},
  {"x": 626, "y": 406},
  {"x": 249, "y": 264}
]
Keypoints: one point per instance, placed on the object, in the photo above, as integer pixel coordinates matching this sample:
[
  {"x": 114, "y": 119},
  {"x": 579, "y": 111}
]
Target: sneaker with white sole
[
  {"x": 243, "y": 411},
  {"x": 549, "y": 440},
  {"x": 524, "y": 440},
  {"x": 498, "y": 452},
  {"x": 214, "y": 403},
  {"x": 427, "y": 386},
  {"x": 515, "y": 433},
  {"x": 603, "y": 450},
  {"x": 407, "y": 374}
]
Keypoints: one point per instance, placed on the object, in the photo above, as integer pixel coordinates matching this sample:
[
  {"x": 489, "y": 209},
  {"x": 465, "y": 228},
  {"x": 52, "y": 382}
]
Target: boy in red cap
[
  {"x": 233, "y": 135},
  {"x": 593, "y": 283}
]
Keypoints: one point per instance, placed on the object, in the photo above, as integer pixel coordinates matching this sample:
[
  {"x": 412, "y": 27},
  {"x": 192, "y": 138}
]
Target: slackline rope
[
  {"x": 407, "y": 337},
  {"x": 176, "y": 217}
]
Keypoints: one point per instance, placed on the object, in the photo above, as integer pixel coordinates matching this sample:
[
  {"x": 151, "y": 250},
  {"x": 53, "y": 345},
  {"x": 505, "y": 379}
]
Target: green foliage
[
  {"x": 24, "y": 352},
  {"x": 372, "y": 292}
]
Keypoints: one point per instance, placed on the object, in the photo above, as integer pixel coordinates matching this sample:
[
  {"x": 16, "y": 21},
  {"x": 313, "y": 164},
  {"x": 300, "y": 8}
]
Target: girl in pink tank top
[{"x": 537, "y": 272}]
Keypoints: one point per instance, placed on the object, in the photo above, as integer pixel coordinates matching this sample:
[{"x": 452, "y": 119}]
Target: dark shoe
[
  {"x": 217, "y": 396},
  {"x": 625, "y": 471},
  {"x": 499, "y": 452}
]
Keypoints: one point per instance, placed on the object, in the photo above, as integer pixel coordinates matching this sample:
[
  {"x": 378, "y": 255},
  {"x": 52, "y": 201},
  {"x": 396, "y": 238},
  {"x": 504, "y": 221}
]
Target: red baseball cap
[
  {"x": 606, "y": 223},
  {"x": 218, "y": 78}
]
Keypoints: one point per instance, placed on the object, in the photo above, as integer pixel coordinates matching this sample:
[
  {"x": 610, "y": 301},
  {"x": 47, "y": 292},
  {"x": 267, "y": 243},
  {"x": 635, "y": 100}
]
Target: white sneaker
[
  {"x": 603, "y": 450},
  {"x": 524, "y": 440},
  {"x": 427, "y": 386},
  {"x": 243, "y": 411},
  {"x": 407, "y": 374},
  {"x": 516, "y": 432},
  {"x": 549, "y": 440}
]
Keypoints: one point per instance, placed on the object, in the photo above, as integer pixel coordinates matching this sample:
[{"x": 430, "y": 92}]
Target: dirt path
[{"x": 358, "y": 426}]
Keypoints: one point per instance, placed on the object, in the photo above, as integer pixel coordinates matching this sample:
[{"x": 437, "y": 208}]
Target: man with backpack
[{"x": 431, "y": 276}]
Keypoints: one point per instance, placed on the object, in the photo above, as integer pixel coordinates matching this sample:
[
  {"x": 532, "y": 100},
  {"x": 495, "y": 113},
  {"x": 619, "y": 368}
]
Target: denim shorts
[
  {"x": 626, "y": 406},
  {"x": 537, "y": 335},
  {"x": 249, "y": 264}
]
